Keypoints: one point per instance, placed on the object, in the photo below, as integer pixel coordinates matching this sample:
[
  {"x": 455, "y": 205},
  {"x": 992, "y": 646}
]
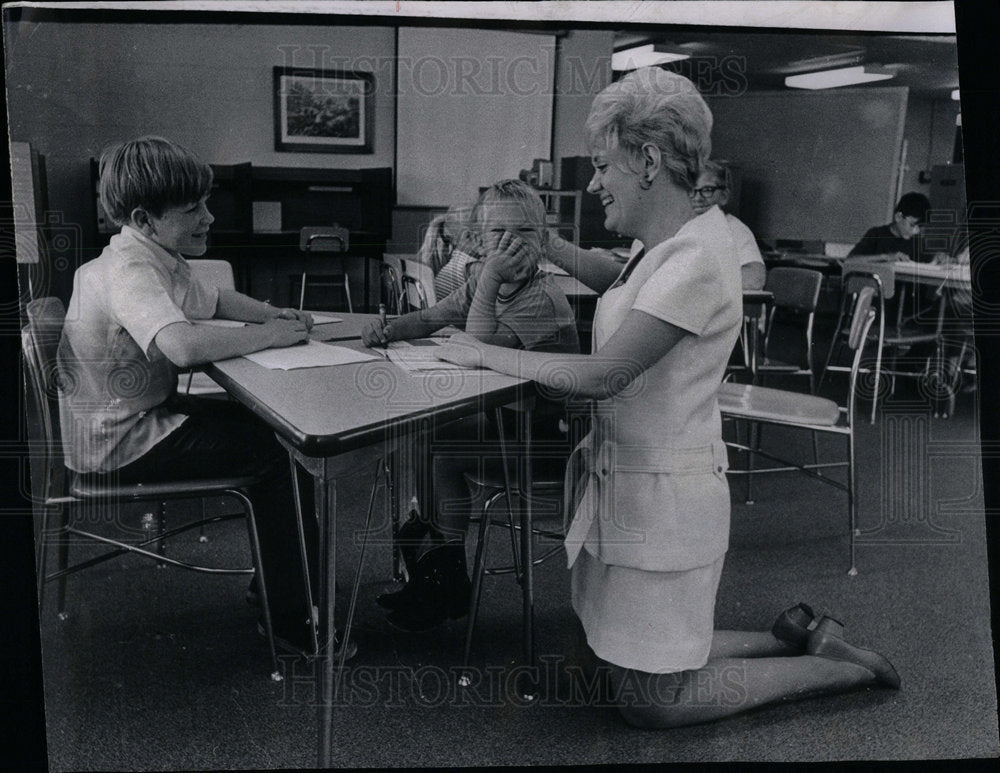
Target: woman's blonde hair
[
  {"x": 152, "y": 173},
  {"x": 651, "y": 105}
]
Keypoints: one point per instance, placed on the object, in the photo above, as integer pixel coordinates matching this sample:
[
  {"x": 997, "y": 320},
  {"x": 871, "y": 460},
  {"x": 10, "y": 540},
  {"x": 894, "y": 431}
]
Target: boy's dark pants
[{"x": 221, "y": 439}]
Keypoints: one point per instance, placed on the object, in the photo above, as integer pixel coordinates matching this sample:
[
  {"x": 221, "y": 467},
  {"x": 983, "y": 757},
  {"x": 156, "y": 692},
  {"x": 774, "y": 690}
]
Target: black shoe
[
  {"x": 440, "y": 590},
  {"x": 409, "y": 539}
]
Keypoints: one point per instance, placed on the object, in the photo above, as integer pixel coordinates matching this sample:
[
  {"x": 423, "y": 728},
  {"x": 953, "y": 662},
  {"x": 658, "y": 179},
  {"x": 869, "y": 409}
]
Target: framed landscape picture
[{"x": 322, "y": 111}]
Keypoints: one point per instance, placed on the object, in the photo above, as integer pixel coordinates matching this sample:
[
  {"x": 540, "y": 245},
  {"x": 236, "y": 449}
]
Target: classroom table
[
  {"x": 953, "y": 276},
  {"x": 321, "y": 414}
]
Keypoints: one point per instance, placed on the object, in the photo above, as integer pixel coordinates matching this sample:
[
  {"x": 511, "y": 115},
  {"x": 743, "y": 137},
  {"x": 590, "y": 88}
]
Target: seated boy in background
[
  {"x": 898, "y": 237},
  {"x": 506, "y": 301},
  {"x": 128, "y": 332}
]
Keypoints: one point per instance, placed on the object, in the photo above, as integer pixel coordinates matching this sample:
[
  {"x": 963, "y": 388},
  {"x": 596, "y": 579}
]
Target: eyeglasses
[{"x": 707, "y": 191}]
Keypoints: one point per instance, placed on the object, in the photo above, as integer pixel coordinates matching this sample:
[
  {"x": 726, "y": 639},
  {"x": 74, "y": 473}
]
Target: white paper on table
[
  {"x": 310, "y": 355},
  {"x": 418, "y": 355},
  {"x": 323, "y": 319},
  {"x": 219, "y": 322}
]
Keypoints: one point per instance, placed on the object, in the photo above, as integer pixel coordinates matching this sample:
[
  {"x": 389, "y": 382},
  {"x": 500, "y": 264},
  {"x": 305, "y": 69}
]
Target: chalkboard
[
  {"x": 816, "y": 166},
  {"x": 473, "y": 106}
]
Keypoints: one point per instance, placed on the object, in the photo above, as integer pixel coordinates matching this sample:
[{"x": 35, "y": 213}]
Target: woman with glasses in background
[{"x": 713, "y": 189}]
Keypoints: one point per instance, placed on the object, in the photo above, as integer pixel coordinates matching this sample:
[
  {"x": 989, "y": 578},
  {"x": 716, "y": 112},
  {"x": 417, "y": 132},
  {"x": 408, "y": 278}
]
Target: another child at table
[
  {"x": 449, "y": 249},
  {"x": 898, "y": 237},
  {"x": 129, "y": 331},
  {"x": 509, "y": 302}
]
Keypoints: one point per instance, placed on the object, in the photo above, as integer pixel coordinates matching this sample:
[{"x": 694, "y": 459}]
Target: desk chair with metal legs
[
  {"x": 326, "y": 240},
  {"x": 538, "y": 484},
  {"x": 57, "y": 491},
  {"x": 807, "y": 412}
]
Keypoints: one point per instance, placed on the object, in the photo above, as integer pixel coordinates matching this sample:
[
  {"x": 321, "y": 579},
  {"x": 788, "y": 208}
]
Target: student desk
[
  {"x": 952, "y": 276},
  {"x": 320, "y": 414}
]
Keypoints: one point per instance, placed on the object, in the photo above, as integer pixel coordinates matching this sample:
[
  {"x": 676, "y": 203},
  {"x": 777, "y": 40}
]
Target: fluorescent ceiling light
[
  {"x": 645, "y": 56},
  {"x": 956, "y": 95},
  {"x": 843, "y": 76}
]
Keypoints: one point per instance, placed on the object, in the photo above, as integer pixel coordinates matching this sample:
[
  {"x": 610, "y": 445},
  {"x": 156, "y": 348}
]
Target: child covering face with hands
[{"x": 508, "y": 302}]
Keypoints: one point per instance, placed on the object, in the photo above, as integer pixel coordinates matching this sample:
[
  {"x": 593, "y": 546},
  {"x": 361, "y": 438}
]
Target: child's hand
[
  {"x": 461, "y": 349},
  {"x": 375, "y": 334},
  {"x": 285, "y": 332},
  {"x": 509, "y": 257},
  {"x": 303, "y": 316}
]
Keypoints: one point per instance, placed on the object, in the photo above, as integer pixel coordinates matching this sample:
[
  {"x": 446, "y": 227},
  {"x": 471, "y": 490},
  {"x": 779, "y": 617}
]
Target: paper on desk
[
  {"x": 311, "y": 355},
  {"x": 219, "y": 322},
  {"x": 418, "y": 355},
  {"x": 323, "y": 319}
]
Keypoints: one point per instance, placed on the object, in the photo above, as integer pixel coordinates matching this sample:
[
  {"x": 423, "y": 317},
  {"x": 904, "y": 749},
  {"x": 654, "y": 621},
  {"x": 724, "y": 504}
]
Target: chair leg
[
  {"x": 63, "y": 562},
  {"x": 478, "y": 570},
  {"x": 265, "y": 602},
  {"x": 347, "y": 293},
  {"x": 392, "y": 498},
  {"x": 878, "y": 364},
  {"x": 302, "y": 292},
  {"x": 508, "y": 490},
  {"x": 41, "y": 554},
  {"x": 380, "y": 465},
  {"x": 753, "y": 442},
  {"x": 852, "y": 504},
  {"x": 161, "y": 525}
]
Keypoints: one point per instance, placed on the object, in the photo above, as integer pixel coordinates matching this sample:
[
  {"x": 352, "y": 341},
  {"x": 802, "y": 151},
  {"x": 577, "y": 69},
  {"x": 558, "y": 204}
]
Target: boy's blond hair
[
  {"x": 517, "y": 192},
  {"x": 152, "y": 173}
]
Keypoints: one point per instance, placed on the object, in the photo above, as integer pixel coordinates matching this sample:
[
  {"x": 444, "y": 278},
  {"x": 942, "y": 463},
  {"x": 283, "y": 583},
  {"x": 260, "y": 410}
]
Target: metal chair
[
  {"x": 538, "y": 483},
  {"x": 330, "y": 239},
  {"x": 807, "y": 412},
  {"x": 57, "y": 491},
  {"x": 894, "y": 338},
  {"x": 795, "y": 294}
]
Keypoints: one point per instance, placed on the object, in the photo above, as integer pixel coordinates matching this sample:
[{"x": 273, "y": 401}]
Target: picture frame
[{"x": 323, "y": 111}]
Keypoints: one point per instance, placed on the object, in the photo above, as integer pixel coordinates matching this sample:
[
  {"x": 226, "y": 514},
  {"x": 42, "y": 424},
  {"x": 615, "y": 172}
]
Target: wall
[
  {"x": 930, "y": 139},
  {"x": 74, "y": 88}
]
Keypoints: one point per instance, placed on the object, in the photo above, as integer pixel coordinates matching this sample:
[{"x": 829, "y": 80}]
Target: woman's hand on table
[
  {"x": 461, "y": 349},
  {"x": 376, "y": 333}
]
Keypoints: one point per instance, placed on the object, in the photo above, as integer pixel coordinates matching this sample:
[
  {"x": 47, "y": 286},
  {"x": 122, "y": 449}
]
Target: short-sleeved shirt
[
  {"x": 659, "y": 500},
  {"x": 452, "y": 274},
  {"x": 114, "y": 378},
  {"x": 744, "y": 243},
  {"x": 538, "y": 314},
  {"x": 880, "y": 240}
]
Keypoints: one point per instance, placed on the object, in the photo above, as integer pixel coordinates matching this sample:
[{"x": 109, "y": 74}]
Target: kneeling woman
[{"x": 651, "y": 524}]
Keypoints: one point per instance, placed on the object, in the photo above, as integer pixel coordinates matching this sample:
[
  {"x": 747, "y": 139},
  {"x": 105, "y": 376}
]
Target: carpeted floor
[{"x": 163, "y": 670}]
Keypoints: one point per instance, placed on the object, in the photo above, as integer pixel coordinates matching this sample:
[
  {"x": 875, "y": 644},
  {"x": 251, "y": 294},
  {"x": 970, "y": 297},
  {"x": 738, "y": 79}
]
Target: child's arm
[
  {"x": 188, "y": 345},
  {"x": 416, "y": 324},
  {"x": 234, "y": 305}
]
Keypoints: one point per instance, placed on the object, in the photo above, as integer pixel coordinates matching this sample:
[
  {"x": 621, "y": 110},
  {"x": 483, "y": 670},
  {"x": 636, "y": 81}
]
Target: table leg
[{"x": 326, "y": 678}]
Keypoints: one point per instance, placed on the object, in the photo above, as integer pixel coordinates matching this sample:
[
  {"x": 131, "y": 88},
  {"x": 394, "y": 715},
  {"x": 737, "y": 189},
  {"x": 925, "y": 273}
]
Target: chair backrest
[
  {"x": 795, "y": 294},
  {"x": 324, "y": 238},
  {"x": 862, "y": 317},
  {"x": 214, "y": 273},
  {"x": 418, "y": 281},
  {"x": 391, "y": 273},
  {"x": 794, "y": 288},
  {"x": 40, "y": 345},
  {"x": 885, "y": 273}
]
